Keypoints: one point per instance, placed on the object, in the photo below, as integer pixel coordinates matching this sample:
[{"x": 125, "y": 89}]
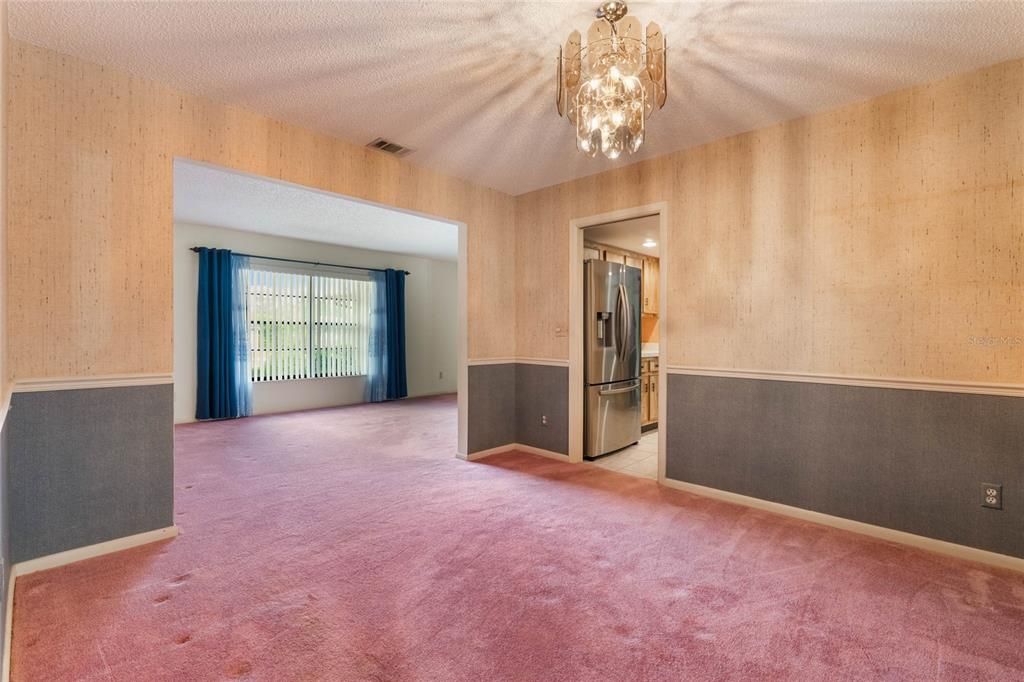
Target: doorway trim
[{"x": 576, "y": 227}]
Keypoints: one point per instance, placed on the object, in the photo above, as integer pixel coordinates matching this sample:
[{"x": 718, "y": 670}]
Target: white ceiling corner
[{"x": 469, "y": 85}]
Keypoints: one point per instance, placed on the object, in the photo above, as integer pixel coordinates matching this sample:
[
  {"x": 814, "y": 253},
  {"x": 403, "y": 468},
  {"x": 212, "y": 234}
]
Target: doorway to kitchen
[{"x": 617, "y": 330}]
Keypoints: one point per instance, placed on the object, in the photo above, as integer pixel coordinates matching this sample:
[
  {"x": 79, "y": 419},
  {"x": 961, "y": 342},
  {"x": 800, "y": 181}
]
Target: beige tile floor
[{"x": 637, "y": 460}]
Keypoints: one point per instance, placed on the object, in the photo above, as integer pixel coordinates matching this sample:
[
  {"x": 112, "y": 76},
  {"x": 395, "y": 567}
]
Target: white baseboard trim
[
  {"x": 473, "y": 456},
  {"x": 62, "y": 559},
  {"x": 74, "y": 383},
  {"x": 70, "y": 556},
  {"x": 480, "y": 454},
  {"x": 1012, "y": 390},
  {"x": 470, "y": 456},
  {"x": 950, "y": 549}
]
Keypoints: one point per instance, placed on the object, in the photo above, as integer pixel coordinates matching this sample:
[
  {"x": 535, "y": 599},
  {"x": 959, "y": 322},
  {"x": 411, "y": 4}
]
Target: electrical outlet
[
  {"x": 543, "y": 420},
  {"x": 992, "y": 495}
]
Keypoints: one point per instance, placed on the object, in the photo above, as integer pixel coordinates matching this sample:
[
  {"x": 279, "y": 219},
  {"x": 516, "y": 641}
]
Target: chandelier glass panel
[{"x": 609, "y": 88}]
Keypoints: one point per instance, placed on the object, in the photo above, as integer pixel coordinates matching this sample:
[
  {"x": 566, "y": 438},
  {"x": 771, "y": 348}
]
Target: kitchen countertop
[{"x": 648, "y": 354}]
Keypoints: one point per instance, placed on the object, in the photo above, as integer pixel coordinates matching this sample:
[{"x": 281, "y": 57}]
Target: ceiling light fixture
[
  {"x": 609, "y": 88},
  {"x": 649, "y": 243}
]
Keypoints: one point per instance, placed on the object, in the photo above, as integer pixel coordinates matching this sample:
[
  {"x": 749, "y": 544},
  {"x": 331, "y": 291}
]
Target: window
[{"x": 304, "y": 326}]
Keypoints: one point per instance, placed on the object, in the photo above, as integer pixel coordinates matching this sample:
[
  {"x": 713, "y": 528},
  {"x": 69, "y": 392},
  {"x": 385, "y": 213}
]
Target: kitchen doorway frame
[{"x": 576, "y": 230}]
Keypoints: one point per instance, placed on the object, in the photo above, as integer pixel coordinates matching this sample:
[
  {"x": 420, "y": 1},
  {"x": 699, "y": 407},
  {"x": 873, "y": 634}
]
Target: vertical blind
[{"x": 305, "y": 326}]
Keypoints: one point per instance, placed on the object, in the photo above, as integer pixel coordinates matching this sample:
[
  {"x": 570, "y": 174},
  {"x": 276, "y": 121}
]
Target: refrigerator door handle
[
  {"x": 617, "y": 321},
  {"x": 617, "y": 391},
  {"x": 627, "y": 324},
  {"x": 624, "y": 324}
]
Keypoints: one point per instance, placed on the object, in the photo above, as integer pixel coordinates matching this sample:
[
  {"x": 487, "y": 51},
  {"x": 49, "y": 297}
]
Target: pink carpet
[{"x": 349, "y": 544}]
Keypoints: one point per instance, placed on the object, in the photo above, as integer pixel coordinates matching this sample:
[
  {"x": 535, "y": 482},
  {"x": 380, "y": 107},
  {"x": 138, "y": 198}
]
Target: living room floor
[{"x": 349, "y": 543}]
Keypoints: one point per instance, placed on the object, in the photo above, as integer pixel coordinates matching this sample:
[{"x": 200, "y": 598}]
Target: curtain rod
[{"x": 304, "y": 262}]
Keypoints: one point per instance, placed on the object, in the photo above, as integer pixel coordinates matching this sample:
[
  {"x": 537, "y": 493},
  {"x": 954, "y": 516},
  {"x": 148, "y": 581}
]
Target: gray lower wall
[
  {"x": 542, "y": 390},
  {"x": 491, "y": 418},
  {"x": 89, "y": 465},
  {"x": 909, "y": 460},
  {"x": 507, "y": 401}
]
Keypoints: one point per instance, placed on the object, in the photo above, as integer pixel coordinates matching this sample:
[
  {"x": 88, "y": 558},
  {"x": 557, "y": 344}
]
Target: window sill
[{"x": 279, "y": 381}]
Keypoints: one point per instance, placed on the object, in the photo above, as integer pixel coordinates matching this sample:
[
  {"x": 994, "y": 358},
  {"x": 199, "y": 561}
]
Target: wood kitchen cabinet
[
  {"x": 629, "y": 259},
  {"x": 648, "y": 391},
  {"x": 645, "y": 400},
  {"x": 650, "y": 286},
  {"x": 608, "y": 254},
  {"x": 652, "y": 403}
]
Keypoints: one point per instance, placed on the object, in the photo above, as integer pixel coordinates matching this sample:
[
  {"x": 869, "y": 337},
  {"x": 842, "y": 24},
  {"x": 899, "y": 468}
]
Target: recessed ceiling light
[{"x": 649, "y": 243}]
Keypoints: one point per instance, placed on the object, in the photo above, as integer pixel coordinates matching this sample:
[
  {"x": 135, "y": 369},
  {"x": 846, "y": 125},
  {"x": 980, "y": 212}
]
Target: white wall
[{"x": 430, "y": 315}]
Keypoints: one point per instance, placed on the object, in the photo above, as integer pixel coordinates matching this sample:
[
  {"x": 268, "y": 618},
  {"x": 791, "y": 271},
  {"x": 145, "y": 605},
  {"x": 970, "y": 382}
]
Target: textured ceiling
[
  {"x": 469, "y": 85},
  {"x": 206, "y": 195}
]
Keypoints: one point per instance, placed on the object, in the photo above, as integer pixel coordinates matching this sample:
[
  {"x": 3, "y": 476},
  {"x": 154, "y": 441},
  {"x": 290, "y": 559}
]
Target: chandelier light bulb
[{"x": 610, "y": 88}]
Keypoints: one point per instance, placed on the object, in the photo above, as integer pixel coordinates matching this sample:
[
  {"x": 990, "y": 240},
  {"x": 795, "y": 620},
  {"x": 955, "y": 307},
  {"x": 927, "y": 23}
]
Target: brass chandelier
[{"x": 610, "y": 88}]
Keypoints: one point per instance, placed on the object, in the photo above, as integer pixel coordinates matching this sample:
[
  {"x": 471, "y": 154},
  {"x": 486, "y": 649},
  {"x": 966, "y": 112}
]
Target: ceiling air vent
[{"x": 390, "y": 147}]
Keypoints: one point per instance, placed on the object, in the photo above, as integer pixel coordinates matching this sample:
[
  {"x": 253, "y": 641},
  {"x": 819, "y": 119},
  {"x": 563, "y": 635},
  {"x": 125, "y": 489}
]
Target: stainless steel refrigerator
[{"x": 611, "y": 357}]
